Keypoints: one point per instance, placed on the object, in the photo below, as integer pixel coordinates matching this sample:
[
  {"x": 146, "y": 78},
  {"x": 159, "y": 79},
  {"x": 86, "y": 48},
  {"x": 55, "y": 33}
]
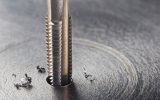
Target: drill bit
[{"x": 59, "y": 43}]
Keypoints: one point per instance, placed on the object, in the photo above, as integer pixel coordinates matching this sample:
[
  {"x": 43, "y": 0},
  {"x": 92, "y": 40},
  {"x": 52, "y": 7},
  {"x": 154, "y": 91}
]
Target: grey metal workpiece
[{"x": 115, "y": 42}]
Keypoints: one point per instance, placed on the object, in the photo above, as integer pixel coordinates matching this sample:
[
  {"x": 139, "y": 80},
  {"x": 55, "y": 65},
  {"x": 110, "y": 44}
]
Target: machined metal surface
[{"x": 117, "y": 42}]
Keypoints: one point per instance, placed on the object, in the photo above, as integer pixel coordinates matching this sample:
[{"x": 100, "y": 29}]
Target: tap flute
[{"x": 59, "y": 43}]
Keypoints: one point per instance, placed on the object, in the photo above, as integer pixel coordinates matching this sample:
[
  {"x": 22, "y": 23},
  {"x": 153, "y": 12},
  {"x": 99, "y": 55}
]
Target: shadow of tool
[{"x": 66, "y": 93}]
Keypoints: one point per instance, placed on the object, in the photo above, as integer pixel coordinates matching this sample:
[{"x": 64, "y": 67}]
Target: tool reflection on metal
[{"x": 59, "y": 43}]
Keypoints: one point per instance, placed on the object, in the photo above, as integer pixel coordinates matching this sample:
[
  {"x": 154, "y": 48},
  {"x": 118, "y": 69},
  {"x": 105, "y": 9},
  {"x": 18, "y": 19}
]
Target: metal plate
[{"x": 108, "y": 67}]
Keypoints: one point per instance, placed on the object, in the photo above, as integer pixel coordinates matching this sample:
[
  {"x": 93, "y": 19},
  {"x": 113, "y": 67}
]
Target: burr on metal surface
[{"x": 59, "y": 43}]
